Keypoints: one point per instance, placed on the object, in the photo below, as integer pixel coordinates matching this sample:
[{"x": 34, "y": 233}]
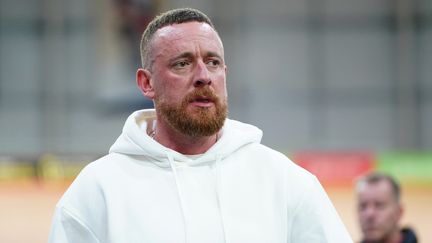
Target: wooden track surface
[{"x": 26, "y": 209}]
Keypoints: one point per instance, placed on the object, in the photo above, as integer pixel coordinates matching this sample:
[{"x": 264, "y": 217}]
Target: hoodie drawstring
[
  {"x": 179, "y": 194},
  {"x": 182, "y": 203},
  {"x": 219, "y": 196}
]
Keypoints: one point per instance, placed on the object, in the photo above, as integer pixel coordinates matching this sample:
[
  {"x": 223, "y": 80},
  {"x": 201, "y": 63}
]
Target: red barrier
[{"x": 336, "y": 168}]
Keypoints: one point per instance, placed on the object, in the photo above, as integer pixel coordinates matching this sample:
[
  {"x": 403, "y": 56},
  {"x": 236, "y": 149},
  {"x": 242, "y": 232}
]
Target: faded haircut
[
  {"x": 175, "y": 16},
  {"x": 376, "y": 177}
]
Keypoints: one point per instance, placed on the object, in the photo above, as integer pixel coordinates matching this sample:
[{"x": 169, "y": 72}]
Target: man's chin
[
  {"x": 374, "y": 236},
  {"x": 198, "y": 112},
  {"x": 193, "y": 120}
]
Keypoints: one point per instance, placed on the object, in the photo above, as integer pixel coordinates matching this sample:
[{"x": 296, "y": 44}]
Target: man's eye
[
  {"x": 362, "y": 206},
  {"x": 181, "y": 64},
  {"x": 380, "y": 205},
  {"x": 213, "y": 62}
]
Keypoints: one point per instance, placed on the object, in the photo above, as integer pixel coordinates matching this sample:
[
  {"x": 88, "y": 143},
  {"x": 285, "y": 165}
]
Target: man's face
[
  {"x": 378, "y": 211},
  {"x": 188, "y": 77}
]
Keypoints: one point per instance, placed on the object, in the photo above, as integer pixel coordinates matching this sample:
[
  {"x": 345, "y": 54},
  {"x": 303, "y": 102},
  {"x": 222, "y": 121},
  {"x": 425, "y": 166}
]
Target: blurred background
[{"x": 333, "y": 83}]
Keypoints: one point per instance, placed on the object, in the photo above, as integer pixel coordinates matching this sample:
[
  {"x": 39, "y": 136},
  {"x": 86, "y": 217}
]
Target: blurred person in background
[
  {"x": 184, "y": 172},
  {"x": 380, "y": 210},
  {"x": 135, "y": 16}
]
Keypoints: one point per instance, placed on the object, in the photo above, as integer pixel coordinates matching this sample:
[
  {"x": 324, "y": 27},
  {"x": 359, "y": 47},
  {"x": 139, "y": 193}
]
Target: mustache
[{"x": 202, "y": 93}]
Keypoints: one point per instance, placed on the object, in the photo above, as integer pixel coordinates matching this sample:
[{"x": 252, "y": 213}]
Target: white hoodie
[{"x": 239, "y": 191}]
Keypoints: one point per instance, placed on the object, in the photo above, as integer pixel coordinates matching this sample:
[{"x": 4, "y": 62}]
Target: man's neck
[{"x": 395, "y": 237}]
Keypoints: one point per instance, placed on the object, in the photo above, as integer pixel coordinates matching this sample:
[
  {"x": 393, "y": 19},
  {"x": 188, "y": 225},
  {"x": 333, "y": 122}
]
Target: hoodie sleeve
[
  {"x": 80, "y": 215},
  {"x": 316, "y": 220},
  {"x": 68, "y": 228}
]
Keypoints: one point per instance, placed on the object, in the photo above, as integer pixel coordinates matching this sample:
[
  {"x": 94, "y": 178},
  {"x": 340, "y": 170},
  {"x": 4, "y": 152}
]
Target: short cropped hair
[
  {"x": 376, "y": 177},
  {"x": 175, "y": 16}
]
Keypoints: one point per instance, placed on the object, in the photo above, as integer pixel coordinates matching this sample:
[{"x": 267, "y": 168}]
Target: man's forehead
[
  {"x": 187, "y": 29},
  {"x": 179, "y": 38},
  {"x": 376, "y": 189}
]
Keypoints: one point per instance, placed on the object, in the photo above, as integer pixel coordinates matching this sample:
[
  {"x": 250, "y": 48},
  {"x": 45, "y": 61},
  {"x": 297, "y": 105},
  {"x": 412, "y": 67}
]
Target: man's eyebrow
[
  {"x": 213, "y": 54},
  {"x": 191, "y": 55},
  {"x": 183, "y": 55}
]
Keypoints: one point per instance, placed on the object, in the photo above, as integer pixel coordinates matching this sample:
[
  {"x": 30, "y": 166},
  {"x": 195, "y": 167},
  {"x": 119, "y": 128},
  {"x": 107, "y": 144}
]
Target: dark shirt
[{"x": 408, "y": 236}]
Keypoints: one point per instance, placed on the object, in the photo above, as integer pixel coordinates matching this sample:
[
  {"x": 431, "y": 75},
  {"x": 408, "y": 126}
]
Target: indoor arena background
[{"x": 341, "y": 87}]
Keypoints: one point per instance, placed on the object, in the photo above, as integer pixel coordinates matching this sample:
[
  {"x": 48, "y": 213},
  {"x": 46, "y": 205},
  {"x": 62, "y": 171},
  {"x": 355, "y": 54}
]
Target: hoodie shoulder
[{"x": 279, "y": 160}]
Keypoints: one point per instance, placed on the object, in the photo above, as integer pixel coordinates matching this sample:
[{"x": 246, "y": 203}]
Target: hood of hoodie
[{"x": 134, "y": 140}]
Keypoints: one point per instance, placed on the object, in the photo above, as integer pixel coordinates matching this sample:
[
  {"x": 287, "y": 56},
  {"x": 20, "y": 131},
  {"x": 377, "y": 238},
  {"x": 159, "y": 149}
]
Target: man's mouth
[
  {"x": 369, "y": 228},
  {"x": 202, "y": 100}
]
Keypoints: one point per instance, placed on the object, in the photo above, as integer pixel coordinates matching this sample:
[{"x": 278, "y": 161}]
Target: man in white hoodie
[{"x": 184, "y": 172}]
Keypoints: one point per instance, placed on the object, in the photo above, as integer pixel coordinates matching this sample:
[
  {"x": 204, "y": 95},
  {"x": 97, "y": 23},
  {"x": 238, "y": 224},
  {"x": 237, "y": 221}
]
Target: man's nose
[
  {"x": 369, "y": 212},
  {"x": 202, "y": 75}
]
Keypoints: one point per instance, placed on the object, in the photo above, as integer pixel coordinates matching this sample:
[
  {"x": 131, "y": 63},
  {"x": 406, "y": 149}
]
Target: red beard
[{"x": 201, "y": 121}]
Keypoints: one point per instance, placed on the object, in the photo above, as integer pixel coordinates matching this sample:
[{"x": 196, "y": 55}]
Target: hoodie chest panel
[
  {"x": 142, "y": 207},
  {"x": 145, "y": 206},
  {"x": 254, "y": 200},
  {"x": 198, "y": 190}
]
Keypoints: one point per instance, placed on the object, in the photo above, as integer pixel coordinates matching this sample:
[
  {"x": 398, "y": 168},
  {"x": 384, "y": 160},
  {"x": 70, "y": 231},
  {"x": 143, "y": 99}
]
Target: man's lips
[
  {"x": 370, "y": 228},
  {"x": 202, "y": 101}
]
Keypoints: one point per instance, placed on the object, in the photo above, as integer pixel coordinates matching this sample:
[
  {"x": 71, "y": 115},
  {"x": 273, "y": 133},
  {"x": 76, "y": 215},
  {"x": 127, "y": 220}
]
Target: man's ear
[
  {"x": 400, "y": 211},
  {"x": 143, "y": 79}
]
